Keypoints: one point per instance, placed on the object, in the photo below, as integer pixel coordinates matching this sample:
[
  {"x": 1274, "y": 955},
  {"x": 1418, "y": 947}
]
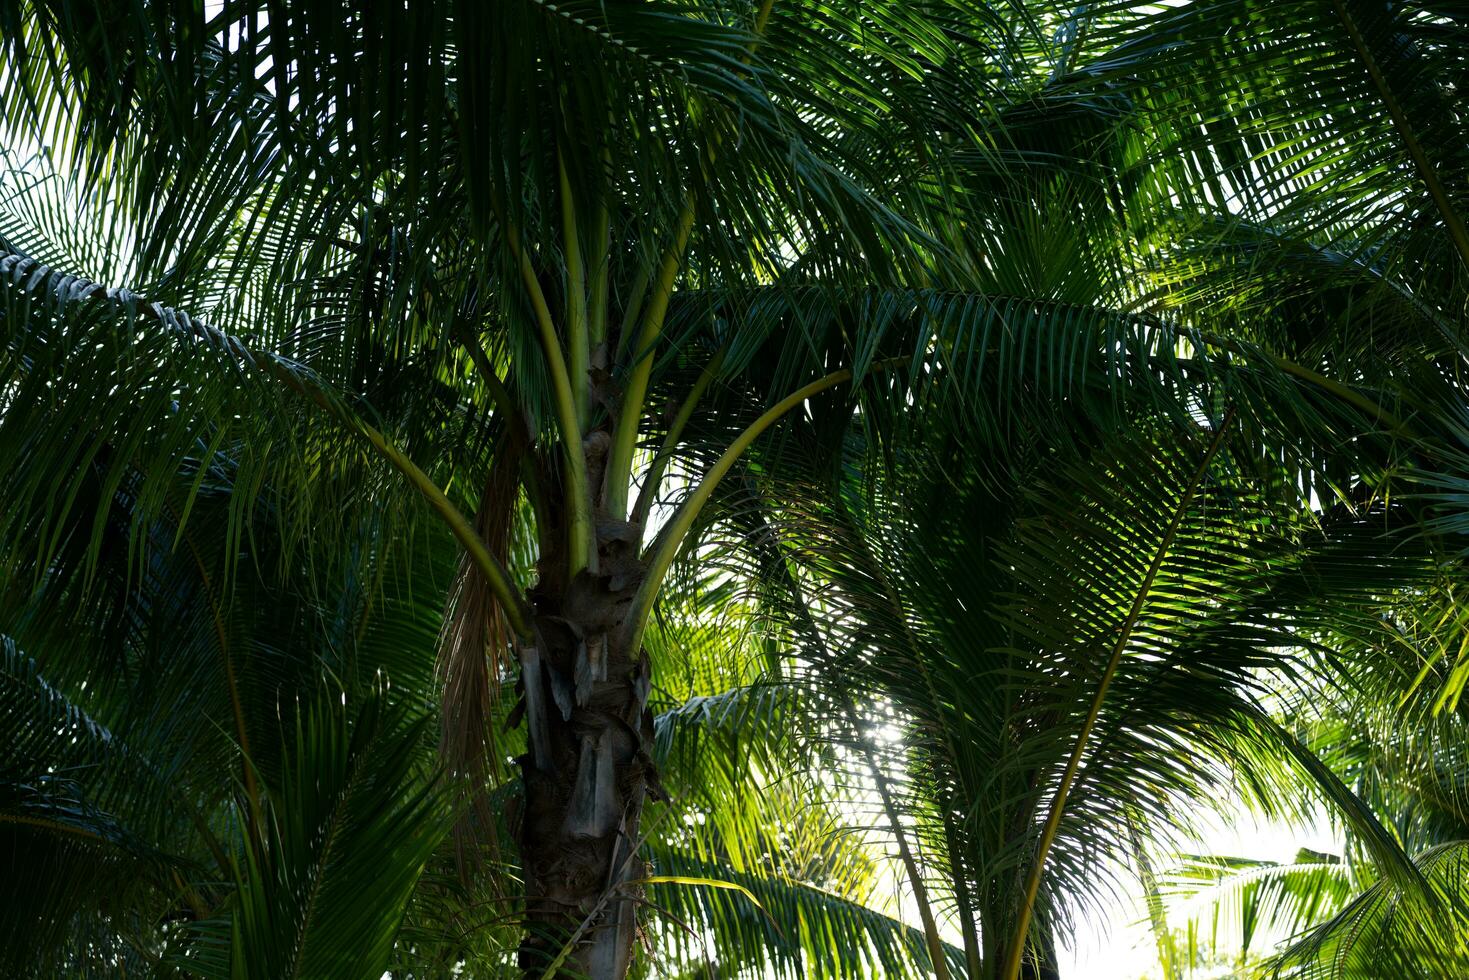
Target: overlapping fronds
[
  {"x": 1387, "y": 930},
  {"x": 91, "y": 835},
  {"x": 1133, "y": 468},
  {"x": 1128, "y": 608},
  {"x": 355, "y": 812},
  {"x": 1240, "y": 906}
]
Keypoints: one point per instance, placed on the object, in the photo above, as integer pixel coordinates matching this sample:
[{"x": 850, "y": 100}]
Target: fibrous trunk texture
[{"x": 588, "y": 768}]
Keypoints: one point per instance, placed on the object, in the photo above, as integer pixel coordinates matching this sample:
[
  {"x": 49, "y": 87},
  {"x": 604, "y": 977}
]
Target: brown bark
[{"x": 588, "y": 768}]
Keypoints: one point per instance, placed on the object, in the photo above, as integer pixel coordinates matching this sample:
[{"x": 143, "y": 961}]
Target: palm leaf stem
[
  {"x": 1075, "y": 30},
  {"x": 807, "y": 625},
  {"x": 1385, "y": 848},
  {"x": 654, "y": 475},
  {"x": 762, "y": 18},
  {"x": 942, "y": 732},
  {"x": 577, "y": 330},
  {"x": 1016, "y": 950},
  {"x": 580, "y": 542},
  {"x": 1157, "y": 918},
  {"x": 517, "y": 611},
  {"x": 499, "y": 392},
  {"x": 634, "y": 309},
  {"x": 964, "y": 903},
  {"x": 1424, "y": 166},
  {"x": 931, "y": 937},
  {"x": 252, "y": 788},
  {"x": 82, "y": 290},
  {"x": 670, "y": 540},
  {"x": 54, "y": 826},
  {"x": 1334, "y": 388},
  {"x": 625, "y": 438},
  {"x": 1344, "y": 392},
  {"x": 519, "y": 426},
  {"x": 601, "y": 268}
]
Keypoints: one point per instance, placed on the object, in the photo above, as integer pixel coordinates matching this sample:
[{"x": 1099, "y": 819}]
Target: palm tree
[
  {"x": 1306, "y": 200},
  {"x": 1397, "y": 741},
  {"x": 135, "y": 843},
  {"x": 463, "y": 249},
  {"x": 538, "y": 260},
  {"x": 982, "y": 633},
  {"x": 1317, "y": 174}
]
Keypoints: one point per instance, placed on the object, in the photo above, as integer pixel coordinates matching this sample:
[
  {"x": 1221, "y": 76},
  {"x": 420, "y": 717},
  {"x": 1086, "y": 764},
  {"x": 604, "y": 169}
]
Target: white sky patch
[{"x": 1122, "y": 946}]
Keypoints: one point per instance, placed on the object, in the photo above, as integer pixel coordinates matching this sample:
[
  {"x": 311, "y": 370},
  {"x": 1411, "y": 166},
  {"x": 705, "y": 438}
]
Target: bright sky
[{"x": 1121, "y": 946}]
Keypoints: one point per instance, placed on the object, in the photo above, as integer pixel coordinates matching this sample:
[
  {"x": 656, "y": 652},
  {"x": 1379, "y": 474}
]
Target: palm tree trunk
[{"x": 588, "y": 768}]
